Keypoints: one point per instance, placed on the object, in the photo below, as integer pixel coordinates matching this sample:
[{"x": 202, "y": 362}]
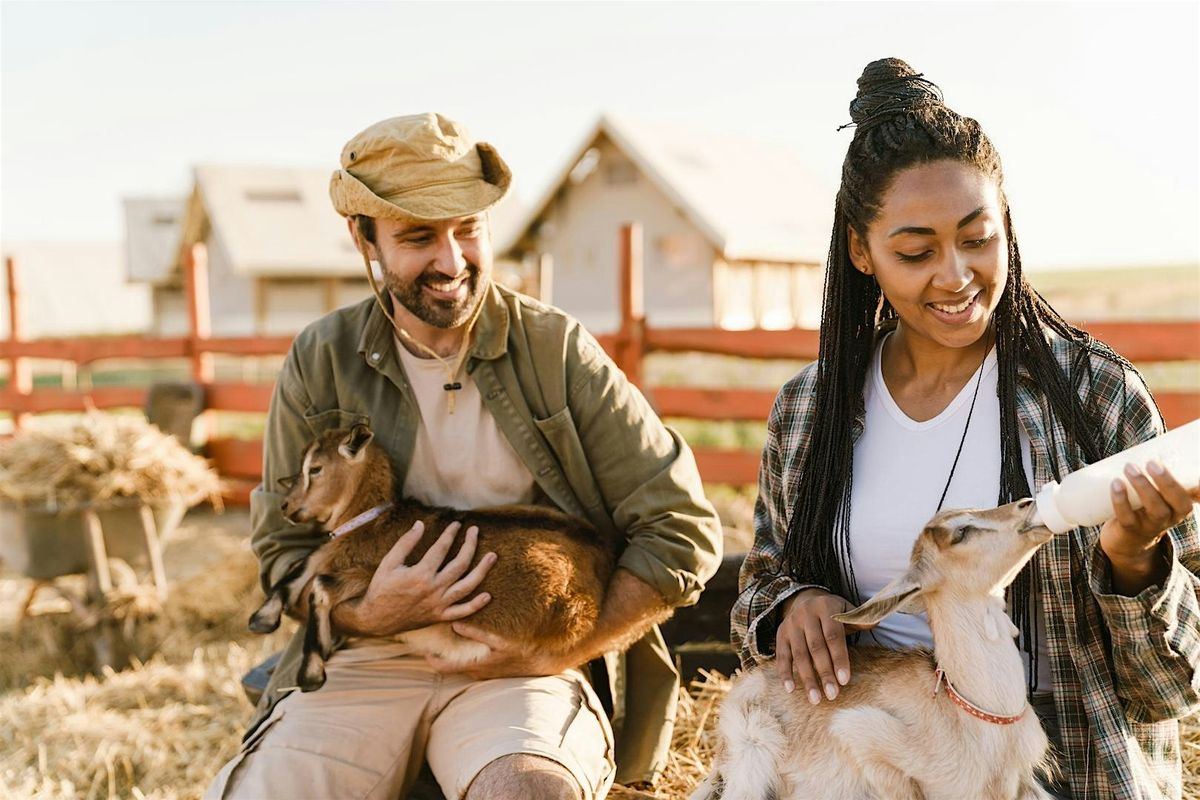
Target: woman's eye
[
  {"x": 977, "y": 243},
  {"x": 917, "y": 257}
]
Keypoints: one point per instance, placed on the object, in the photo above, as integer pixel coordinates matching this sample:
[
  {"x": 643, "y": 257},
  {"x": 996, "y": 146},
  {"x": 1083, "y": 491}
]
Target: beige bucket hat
[{"x": 422, "y": 166}]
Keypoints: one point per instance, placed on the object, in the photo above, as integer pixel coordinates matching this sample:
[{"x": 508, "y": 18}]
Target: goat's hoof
[
  {"x": 261, "y": 623},
  {"x": 312, "y": 677}
]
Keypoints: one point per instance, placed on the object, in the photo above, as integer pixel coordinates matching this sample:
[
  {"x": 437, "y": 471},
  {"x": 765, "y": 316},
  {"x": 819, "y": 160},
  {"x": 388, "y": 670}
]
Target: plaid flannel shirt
[{"x": 1124, "y": 668}]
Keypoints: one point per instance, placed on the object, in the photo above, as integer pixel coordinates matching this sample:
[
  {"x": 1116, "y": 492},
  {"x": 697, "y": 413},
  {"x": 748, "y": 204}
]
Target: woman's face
[{"x": 939, "y": 251}]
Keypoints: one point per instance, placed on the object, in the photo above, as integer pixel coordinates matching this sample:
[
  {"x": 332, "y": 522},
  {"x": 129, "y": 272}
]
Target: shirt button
[{"x": 374, "y": 356}]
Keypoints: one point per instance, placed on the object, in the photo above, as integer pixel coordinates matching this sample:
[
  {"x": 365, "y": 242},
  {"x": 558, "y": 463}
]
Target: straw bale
[{"x": 98, "y": 457}]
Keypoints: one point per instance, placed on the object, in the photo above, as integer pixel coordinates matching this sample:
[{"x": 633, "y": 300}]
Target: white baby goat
[{"x": 897, "y": 730}]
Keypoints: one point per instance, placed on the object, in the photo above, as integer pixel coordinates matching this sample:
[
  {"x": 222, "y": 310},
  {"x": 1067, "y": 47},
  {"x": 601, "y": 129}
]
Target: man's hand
[
  {"x": 631, "y": 607},
  {"x": 404, "y": 598},
  {"x": 506, "y": 660},
  {"x": 1132, "y": 539}
]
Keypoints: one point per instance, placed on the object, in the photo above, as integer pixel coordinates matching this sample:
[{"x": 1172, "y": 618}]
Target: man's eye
[
  {"x": 419, "y": 241},
  {"x": 468, "y": 233}
]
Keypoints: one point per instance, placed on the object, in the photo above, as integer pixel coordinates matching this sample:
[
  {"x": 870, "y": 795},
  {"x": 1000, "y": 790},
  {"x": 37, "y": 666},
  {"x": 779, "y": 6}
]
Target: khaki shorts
[{"x": 382, "y": 712}]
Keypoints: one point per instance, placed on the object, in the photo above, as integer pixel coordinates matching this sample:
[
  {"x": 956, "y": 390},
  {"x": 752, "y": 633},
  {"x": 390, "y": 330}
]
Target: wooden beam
[
  {"x": 238, "y": 396},
  {"x": 1150, "y": 341},
  {"x": 63, "y": 400},
  {"x": 736, "y": 467},
  {"x": 1178, "y": 408},
  {"x": 240, "y": 458},
  {"x": 796, "y": 343},
  {"x": 195, "y": 278},
  {"x": 630, "y": 343},
  {"x": 714, "y": 404}
]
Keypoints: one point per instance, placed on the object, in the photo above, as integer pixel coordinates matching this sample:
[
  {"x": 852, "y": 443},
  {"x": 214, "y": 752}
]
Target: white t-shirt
[
  {"x": 900, "y": 469},
  {"x": 460, "y": 460}
]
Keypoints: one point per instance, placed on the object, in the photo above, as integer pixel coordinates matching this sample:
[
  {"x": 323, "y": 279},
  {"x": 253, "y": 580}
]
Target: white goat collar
[
  {"x": 369, "y": 515},
  {"x": 969, "y": 707}
]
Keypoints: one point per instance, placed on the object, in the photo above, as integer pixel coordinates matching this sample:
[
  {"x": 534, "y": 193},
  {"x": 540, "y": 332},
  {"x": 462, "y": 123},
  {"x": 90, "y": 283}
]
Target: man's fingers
[
  {"x": 835, "y": 640},
  {"x": 470, "y": 582},
  {"x": 466, "y": 609},
  {"x": 404, "y": 545},
  {"x": 435, "y": 556},
  {"x": 459, "y": 564}
]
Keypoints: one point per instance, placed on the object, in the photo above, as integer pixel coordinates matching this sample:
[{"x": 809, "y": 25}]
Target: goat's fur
[
  {"x": 547, "y": 584},
  {"x": 887, "y": 736}
]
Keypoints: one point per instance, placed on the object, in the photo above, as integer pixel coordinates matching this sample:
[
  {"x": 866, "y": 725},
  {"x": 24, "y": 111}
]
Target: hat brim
[{"x": 351, "y": 196}]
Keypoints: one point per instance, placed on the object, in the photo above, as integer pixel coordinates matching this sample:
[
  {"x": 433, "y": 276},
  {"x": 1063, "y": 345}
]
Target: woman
[{"x": 944, "y": 380}]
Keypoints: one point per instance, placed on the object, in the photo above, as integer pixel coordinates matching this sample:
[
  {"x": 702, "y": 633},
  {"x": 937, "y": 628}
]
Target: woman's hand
[
  {"x": 1132, "y": 539},
  {"x": 810, "y": 645}
]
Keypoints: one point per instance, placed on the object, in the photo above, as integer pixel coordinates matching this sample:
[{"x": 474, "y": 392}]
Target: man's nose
[{"x": 450, "y": 259}]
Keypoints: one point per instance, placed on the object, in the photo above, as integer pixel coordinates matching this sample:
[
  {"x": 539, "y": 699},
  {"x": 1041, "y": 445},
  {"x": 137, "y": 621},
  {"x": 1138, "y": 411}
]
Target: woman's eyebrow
[{"x": 962, "y": 223}]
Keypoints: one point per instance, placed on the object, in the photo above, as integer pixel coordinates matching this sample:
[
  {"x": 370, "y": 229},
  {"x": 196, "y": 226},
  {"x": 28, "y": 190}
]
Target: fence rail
[{"x": 241, "y": 460}]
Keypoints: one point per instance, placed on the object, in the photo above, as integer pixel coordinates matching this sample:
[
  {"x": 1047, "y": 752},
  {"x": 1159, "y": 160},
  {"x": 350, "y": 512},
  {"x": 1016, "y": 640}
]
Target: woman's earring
[{"x": 376, "y": 271}]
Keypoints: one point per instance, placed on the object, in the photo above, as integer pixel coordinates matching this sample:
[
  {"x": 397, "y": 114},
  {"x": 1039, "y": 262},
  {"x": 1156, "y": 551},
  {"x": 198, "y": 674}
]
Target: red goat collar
[{"x": 969, "y": 707}]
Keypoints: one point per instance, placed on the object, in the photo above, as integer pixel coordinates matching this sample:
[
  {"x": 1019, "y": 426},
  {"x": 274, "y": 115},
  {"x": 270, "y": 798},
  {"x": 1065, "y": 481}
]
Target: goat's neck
[
  {"x": 972, "y": 641},
  {"x": 373, "y": 488}
]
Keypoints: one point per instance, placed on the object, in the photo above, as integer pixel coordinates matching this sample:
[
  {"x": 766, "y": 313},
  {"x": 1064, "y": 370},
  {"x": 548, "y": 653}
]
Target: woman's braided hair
[{"x": 900, "y": 121}]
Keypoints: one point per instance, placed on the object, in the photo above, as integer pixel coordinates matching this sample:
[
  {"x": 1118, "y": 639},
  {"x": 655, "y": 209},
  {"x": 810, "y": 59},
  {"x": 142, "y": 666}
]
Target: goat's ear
[
  {"x": 287, "y": 483},
  {"x": 902, "y": 594},
  {"x": 354, "y": 445}
]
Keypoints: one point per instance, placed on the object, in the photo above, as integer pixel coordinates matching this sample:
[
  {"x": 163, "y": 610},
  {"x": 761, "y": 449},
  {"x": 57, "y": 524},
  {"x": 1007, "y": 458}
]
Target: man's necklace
[{"x": 966, "y": 428}]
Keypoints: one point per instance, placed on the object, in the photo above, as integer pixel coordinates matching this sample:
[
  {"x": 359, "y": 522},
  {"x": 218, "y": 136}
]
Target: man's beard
[{"x": 433, "y": 311}]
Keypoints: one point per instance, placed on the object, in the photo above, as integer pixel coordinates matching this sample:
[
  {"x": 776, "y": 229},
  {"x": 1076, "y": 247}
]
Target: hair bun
[{"x": 889, "y": 87}]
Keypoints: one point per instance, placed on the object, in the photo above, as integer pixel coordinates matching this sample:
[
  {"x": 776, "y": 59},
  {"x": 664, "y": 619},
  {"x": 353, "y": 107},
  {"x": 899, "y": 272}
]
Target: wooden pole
[
  {"x": 20, "y": 373},
  {"x": 546, "y": 278},
  {"x": 195, "y": 282},
  {"x": 154, "y": 550},
  {"x": 632, "y": 333}
]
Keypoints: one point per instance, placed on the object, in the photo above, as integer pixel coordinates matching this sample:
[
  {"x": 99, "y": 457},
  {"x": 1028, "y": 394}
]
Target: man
[{"x": 480, "y": 396}]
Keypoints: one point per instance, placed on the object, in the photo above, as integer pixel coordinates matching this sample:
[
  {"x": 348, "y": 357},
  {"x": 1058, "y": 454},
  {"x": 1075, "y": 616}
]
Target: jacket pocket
[
  {"x": 563, "y": 438},
  {"x": 334, "y": 418}
]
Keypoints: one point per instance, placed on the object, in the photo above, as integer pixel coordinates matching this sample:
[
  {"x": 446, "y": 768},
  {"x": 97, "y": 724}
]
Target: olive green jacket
[{"x": 589, "y": 438}]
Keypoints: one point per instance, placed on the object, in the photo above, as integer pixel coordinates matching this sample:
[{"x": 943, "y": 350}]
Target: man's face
[{"x": 438, "y": 271}]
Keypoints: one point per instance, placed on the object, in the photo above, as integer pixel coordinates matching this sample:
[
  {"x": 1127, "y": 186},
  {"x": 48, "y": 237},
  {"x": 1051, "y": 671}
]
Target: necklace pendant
[{"x": 452, "y": 387}]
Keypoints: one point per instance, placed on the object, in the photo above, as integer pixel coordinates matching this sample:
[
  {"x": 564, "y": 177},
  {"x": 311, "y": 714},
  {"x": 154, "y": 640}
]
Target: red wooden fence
[{"x": 241, "y": 460}]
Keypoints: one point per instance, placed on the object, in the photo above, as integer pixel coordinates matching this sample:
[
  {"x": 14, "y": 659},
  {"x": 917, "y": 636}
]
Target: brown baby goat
[{"x": 547, "y": 584}]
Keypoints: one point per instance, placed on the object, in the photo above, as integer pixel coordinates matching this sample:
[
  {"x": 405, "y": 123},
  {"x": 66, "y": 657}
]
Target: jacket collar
[{"x": 490, "y": 334}]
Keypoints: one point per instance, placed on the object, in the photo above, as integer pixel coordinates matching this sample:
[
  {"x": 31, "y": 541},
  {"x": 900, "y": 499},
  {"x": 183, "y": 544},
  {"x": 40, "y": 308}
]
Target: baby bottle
[{"x": 1083, "y": 499}]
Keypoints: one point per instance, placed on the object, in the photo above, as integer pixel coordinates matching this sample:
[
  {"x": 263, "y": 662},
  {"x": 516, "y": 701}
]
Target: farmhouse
[{"x": 735, "y": 232}]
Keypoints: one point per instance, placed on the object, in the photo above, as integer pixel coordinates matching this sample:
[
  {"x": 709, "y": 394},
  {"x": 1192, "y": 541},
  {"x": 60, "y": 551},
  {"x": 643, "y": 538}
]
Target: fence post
[
  {"x": 195, "y": 283},
  {"x": 546, "y": 278},
  {"x": 631, "y": 337},
  {"x": 20, "y": 372}
]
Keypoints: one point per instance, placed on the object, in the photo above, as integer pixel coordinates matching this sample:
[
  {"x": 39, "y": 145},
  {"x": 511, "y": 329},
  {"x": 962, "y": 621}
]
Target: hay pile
[
  {"x": 161, "y": 730},
  {"x": 96, "y": 458}
]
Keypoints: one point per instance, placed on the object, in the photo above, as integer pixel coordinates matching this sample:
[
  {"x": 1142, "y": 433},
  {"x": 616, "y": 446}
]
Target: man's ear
[
  {"x": 902, "y": 594},
  {"x": 353, "y": 446},
  {"x": 860, "y": 255},
  {"x": 287, "y": 483}
]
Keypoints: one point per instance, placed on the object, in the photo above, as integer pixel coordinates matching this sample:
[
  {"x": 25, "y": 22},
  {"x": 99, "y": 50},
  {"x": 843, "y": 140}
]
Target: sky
[{"x": 1094, "y": 107}]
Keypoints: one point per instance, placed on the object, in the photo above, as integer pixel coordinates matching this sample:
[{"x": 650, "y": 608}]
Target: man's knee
[{"x": 522, "y": 776}]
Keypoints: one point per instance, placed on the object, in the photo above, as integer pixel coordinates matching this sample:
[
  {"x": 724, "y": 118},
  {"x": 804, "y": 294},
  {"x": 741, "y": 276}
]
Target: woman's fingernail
[
  {"x": 789, "y": 686},
  {"x": 830, "y": 691},
  {"x": 814, "y": 697},
  {"x": 1131, "y": 470},
  {"x": 1156, "y": 467},
  {"x": 1118, "y": 487},
  {"x": 843, "y": 677}
]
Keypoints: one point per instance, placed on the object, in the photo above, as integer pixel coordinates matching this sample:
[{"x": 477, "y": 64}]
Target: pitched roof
[
  {"x": 152, "y": 226},
  {"x": 278, "y": 221},
  {"x": 752, "y": 201},
  {"x": 270, "y": 221}
]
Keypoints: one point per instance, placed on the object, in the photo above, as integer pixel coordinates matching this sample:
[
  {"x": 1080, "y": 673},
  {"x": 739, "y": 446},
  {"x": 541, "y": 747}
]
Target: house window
[{"x": 620, "y": 173}]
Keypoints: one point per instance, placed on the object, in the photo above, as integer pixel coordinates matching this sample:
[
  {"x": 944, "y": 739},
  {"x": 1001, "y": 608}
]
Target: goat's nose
[
  {"x": 1025, "y": 503},
  {"x": 283, "y": 506}
]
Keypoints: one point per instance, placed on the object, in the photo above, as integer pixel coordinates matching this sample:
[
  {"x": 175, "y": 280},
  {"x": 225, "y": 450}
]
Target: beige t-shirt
[{"x": 461, "y": 460}]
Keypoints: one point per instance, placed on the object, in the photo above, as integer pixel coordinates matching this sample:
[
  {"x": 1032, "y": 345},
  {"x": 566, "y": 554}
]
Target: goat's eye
[
  {"x": 314, "y": 471},
  {"x": 960, "y": 533}
]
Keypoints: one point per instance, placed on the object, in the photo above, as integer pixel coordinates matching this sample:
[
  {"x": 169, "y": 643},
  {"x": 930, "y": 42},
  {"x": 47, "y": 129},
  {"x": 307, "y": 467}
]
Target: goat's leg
[
  {"x": 1030, "y": 789},
  {"x": 318, "y": 635},
  {"x": 879, "y": 744},
  {"x": 281, "y": 597}
]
